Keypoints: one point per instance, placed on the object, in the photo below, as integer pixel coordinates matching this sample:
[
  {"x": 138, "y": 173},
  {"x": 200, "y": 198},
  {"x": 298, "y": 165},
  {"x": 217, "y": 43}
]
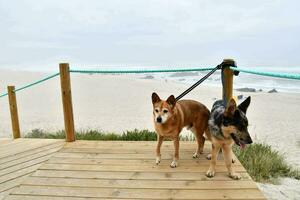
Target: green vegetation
[
  {"x": 134, "y": 135},
  {"x": 261, "y": 162},
  {"x": 264, "y": 164}
]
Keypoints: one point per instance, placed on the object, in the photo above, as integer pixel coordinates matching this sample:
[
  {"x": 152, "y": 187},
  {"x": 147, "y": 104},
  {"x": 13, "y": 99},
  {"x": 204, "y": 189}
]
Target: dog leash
[{"x": 199, "y": 82}]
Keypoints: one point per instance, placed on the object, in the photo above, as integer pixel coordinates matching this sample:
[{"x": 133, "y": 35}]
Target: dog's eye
[
  {"x": 156, "y": 110},
  {"x": 166, "y": 111},
  {"x": 225, "y": 122}
]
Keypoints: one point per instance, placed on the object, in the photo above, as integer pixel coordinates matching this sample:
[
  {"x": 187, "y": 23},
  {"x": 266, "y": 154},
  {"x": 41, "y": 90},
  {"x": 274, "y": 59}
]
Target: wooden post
[
  {"x": 227, "y": 79},
  {"x": 67, "y": 101},
  {"x": 13, "y": 111}
]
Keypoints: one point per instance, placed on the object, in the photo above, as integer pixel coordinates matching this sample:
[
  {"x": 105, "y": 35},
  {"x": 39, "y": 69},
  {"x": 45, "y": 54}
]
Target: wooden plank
[
  {"x": 19, "y": 173},
  {"x": 14, "y": 168},
  {"x": 129, "y": 155},
  {"x": 12, "y": 184},
  {"x": 21, "y": 158},
  {"x": 27, "y": 164},
  {"x": 150, "y": 168},
  {"x": 14, "y": 142},
  {"x": 131, "y": 144},
  {"x": 15, "y": 148},
  {"x": 140, "y": 184},
  {"x": 222, "y": 176},
  {"x": 89, "y": 161},
  {"x": 118, "y": 150},
  {"x": 11, "y": 143},
  {"x": 29, "y": 197},
  {"x": 26, "y": 145},
  {"x": 138, "y": 193},
  {"x": 66, "y": 94},
  {"x": 13, "y": 107},
  {"x": 21, "y": 141},
  {"x": 31, "y": 157},
  {"x": 30, "y": 152},
  {"x": 3, "y": 195},
  {"x": 149, "y": 153},
  {"x": 165, "y": 156}
]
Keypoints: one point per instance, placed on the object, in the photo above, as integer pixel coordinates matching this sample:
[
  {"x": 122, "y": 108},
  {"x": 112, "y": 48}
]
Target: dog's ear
[
  {"x": 244, "y": 105},
  {"x": 171, "y": 101},
  {"x": 155, "y": 98},
  {"x": 231, "y": 107}
]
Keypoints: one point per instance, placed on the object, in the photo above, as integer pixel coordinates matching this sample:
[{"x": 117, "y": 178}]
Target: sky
[{"x": 37, "y": 35}]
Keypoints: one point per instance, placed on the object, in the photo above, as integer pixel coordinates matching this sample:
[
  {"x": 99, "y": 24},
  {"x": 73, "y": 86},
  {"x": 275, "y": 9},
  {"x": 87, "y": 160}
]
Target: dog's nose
[
  {"x": 159, "y": 119},
  {"x": 249, "y": 140}
]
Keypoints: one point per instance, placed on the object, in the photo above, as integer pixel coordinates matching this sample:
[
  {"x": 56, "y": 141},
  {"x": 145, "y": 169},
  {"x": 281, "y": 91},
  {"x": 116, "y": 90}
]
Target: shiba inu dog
[
  {"x": 171, "y": 116},
  {"x": 227, "y": 125}
]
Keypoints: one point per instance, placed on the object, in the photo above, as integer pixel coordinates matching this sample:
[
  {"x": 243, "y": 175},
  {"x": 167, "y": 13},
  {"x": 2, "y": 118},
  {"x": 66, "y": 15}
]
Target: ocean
[{"x": 243, "y": 80}]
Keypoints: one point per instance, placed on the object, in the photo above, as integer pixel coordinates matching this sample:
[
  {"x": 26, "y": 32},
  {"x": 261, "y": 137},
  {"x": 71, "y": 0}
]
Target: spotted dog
[{"x": 227, "y": 125}]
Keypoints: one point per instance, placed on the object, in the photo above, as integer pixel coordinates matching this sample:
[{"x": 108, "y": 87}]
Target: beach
[{"x": 116, "y": 103}]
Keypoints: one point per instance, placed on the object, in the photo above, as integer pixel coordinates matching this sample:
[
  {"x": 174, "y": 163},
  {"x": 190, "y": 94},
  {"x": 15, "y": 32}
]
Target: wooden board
[
  {"x": 21, "y": 157},
  {"x": 122, "y": 170}
]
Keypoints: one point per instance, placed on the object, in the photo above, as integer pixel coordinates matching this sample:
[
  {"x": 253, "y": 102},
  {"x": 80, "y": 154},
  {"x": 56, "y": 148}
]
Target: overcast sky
[{"x": 37, "y": 35}]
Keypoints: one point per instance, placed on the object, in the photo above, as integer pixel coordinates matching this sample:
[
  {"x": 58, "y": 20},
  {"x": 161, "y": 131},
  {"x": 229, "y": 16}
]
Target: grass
[
  {"x": 134, "y": 135},
  {"x": 264, "y": 164},
  {"x": 261, "y": 162}
]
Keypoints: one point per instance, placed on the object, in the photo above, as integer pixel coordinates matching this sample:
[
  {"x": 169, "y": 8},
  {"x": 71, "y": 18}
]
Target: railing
[{"x": 228, "y": 70}]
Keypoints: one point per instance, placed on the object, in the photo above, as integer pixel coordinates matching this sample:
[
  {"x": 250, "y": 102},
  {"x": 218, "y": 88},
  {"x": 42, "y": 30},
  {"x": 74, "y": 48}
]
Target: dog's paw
[
  {"x": 196, "y": 155},
  {"x": 157, "y": 160},
  {"x": 208, "y": 157},
  {"x": 174, "y": 164},
  {"x": 210, "y": 173},
  {"x": 234, "y": 176}
]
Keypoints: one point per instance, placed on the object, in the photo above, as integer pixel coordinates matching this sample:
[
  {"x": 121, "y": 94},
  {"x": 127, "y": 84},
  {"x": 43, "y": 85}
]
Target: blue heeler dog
[{"x": 227, "y": 125}]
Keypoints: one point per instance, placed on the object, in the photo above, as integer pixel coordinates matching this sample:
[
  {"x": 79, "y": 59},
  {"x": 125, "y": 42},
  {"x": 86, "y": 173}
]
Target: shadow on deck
[{"x": 52, "y": 169}]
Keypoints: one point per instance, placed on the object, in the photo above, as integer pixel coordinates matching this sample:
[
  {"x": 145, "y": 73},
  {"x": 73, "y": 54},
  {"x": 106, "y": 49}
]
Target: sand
[{"x": 117, "y": 103}]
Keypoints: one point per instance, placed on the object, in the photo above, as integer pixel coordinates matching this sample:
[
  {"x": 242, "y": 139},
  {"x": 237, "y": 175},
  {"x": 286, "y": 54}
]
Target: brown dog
[{"x": 170, "y": 117}]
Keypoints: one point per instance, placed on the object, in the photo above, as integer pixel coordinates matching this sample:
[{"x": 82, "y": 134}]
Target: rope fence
[
  {"x": 293, "y": 76},
  {"x": 139, "y": 71},
  {"x": 270, "y": 74},
  {"x": 32, "y": 84}
]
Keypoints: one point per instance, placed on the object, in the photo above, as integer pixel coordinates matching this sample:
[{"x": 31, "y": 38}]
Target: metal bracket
[{"x": 229, "y": 63}]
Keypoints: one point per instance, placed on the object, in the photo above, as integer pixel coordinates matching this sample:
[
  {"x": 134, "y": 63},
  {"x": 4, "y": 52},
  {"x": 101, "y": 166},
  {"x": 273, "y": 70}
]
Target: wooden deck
[{"x": 52, "y": 169}]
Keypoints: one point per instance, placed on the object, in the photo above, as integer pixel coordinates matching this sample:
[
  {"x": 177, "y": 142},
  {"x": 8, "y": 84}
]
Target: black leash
[{"x": 198, "y": 82}]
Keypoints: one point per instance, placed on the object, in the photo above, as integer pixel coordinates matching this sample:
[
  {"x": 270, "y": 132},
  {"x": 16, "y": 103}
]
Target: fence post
[
  {"x": 67, "y": 101},
  {"x": 13, "y": 111},
  {"x": 227, "y": 79}
]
